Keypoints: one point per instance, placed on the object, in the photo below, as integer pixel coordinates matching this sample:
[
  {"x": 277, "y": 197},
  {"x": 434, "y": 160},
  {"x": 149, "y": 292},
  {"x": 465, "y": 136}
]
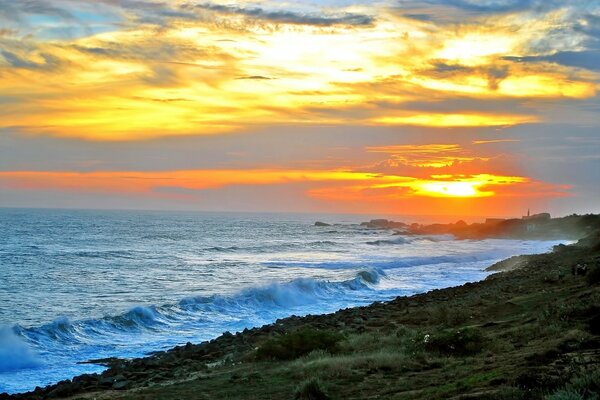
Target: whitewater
[{"x": 84, "y": 285}]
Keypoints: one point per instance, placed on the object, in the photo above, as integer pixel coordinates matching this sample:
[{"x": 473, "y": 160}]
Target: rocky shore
[
  {"x": 537, "y": 226},
  {"x": 531, "y": 331}
]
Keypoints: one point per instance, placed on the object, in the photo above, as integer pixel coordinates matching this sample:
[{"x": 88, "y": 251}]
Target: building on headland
[
  {"x": 533, "y": 220},
  {"x": 537, "y": 217}
]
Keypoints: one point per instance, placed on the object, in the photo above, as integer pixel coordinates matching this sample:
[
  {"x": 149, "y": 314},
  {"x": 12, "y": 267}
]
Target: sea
[{"x": 81, "y": 285}]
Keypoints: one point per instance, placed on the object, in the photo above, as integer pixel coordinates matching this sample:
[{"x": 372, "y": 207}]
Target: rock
[
  {"x": 319, "y": 223},
  {"x": 383, "y": 224},
  {"x": 579, "y": 270},
  {"x": 106, "y": 381},
  {"x": 62, "y": 389},
  {"x": 121, "y": 385}
]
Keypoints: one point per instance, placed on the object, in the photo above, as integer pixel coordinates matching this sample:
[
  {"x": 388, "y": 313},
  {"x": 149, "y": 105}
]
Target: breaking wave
[{"x": 15, "y": 354}]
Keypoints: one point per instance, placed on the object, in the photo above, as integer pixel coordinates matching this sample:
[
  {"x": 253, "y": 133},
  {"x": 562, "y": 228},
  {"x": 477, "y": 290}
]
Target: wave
[
  {"x": 396, "y": 240},
  {"x": 262, "y": 300},
  {"x": 273, "y": 247},
  {"x": 108, "y": 254},
  {"x": 298, "y": 292},
  {"x": 438, "y": 238},
  {"x": 404, "y": 239},
  {"x": 405, "y": 262},
  {"x": 219, "y": 249},
  {"x": 371, "y": 275},
  {"x": 15, "y": 354}
]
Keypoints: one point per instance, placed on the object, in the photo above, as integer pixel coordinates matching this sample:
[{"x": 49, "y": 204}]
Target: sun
[{"x": 451, "y": 189}]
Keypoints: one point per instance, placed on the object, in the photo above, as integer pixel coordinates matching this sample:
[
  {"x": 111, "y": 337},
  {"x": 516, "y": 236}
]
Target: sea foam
[{"x": 14, "y": 352}]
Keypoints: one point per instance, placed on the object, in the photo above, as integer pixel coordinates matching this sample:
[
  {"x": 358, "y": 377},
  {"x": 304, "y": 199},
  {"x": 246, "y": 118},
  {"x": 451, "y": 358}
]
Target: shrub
[
  {"x": 310, "y": 390},
  {"x": 593, "y": 276},
  {"x": 585, "y": 387},
  {"x": 510, "y": 393},
  {"x": 298, "y": 343},
  {"x": 461, "y": 342},
  {"x": 565, "y": 394},
  {"x": 449, "y": 316}
]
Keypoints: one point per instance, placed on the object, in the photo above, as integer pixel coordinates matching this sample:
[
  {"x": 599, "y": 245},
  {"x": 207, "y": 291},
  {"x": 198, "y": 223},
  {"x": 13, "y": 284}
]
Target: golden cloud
[{"x": 184, "y": 79}]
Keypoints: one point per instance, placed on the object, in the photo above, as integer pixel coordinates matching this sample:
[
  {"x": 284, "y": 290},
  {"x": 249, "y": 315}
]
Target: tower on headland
[{"x": 540, "y": 216}]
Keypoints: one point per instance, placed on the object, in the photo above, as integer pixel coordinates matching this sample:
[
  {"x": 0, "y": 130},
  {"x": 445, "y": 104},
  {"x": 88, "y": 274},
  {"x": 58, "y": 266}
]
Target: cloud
[
  {"x": 49, "y": 62},
  {"x": 256, "y": 77},
  {"x": 587, "y": 59},
  {"x": 493, "y": 141},
  {"x": 487, "y": 6},
  {"x": 589, "y": 24},
  {"x": 451, "y": 11},
  {"x": 423, "y": 156},
  {"x": 290, "y": 17},
  {"x": 17, "y": 10},
  {"x": 494, "y": 74},
  {"x": 330, "y": 185},
  {"x": 7, "y": 32},
  {"x": 239, "y": 66}
]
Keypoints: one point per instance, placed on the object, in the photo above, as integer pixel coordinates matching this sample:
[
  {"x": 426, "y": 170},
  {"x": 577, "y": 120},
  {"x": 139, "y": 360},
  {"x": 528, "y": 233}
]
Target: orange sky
[{"x": 102, "y": 98}]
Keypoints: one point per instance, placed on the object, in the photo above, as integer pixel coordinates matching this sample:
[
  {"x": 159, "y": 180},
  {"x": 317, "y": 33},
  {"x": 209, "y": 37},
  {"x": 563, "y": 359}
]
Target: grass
[
  {"x": 583, "y": 387},
  {"x": 449, "y": 316},
  {"x": 311, "y": 389},
  {"x": 298, "y": 343},
  {"x": 455, "y": 342}
]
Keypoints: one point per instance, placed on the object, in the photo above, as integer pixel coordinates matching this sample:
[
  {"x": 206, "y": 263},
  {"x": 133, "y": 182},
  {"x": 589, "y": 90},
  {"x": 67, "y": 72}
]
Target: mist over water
[{"x": 80, "y": 285}]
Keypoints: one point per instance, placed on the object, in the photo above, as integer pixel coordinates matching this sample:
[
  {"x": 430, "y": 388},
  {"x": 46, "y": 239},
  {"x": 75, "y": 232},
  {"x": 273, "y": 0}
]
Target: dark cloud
[
  {"x": 419, "y": 17},
  {"x": 590, "y": 25},
  {"x": 15, "y": 10},
  {"x": 16, "y": 61},
  {"x": 256, "y": 77},
  {"x": 444, "y": 12},
  {"x": 588, "y": 59},
  {"x": 485, "y": 6},
  {"x": 157, "y": 49},
  {"x": 441, "y": 68},
  {"x": 290, "y": 17},
  {"x": 489, "y": 6},
  {"x": 157, "y": 13},
  {"x": 494, "y": 73}
]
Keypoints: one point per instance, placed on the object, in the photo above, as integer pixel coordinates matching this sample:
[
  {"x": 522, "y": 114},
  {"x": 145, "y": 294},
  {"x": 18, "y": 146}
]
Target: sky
[{"x": 392, "y": 107}]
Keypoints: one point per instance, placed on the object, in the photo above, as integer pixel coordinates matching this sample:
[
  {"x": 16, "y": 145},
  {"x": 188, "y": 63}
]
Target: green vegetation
[
  {"x": 295, "y": 344},
  {"x": 455, "y": 342},
  {"x": 593, "y": 276},
  {"x": 310, "y": 390},
  {"x": 584, "y": 387}
]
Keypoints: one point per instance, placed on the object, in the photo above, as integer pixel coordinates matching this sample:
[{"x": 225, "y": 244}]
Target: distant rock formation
[
  {"x": 319, "y": 223},
  {"x": 536, "y": 226},
  {"x": 384, "y": 224}
]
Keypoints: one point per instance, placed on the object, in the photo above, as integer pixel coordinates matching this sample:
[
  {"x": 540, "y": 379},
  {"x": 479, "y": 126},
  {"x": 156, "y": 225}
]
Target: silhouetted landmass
[{"x": 538, "y": 226}]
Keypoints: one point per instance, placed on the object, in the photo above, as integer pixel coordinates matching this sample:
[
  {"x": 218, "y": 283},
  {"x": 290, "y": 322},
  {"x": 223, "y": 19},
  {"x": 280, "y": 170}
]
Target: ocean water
[{"x": 81, "y": 285}]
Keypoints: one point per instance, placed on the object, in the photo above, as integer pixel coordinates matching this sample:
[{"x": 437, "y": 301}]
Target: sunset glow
[{"x": 435, "y": 89}]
